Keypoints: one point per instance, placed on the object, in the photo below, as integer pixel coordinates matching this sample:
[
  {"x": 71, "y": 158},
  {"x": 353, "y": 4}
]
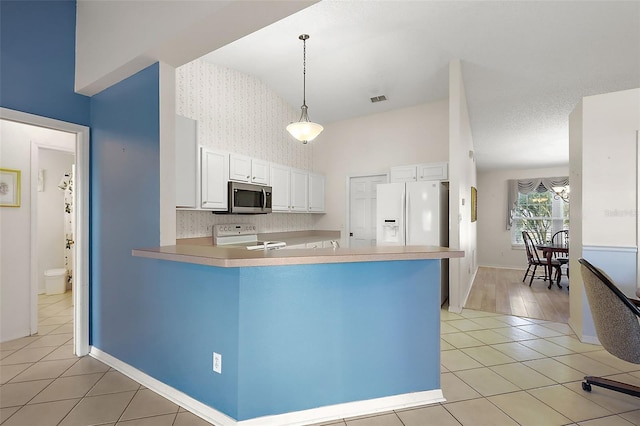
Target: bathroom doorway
[{"x": 21, "y": 280}]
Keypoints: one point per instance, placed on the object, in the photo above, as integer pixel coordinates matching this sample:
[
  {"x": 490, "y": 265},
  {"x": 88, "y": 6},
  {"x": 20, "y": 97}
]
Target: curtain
[{"x": 526, "y": 186}]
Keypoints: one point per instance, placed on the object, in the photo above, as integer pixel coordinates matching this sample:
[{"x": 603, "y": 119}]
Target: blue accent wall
[
  {"x": 291, "y": 337},
  {"x": 125, "y": 190},
  {"x": 163, "y": 318},
  {"x": 37, "y": 60},
  {"x": 318, "y": 335}
]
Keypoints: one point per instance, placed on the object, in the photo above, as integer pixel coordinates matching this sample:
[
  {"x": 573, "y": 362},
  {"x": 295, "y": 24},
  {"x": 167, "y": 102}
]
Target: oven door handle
[{"x": 264, "y": 199}]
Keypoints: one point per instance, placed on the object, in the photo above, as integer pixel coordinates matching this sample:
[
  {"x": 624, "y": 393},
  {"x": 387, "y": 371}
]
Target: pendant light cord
[
  {"x": 304, "y": 38},
  {"x": 304, "y": 72}
]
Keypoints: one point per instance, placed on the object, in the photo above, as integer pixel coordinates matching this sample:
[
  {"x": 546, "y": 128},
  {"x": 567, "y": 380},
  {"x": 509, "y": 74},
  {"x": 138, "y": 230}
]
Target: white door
[{"x": 362, "y": 210}]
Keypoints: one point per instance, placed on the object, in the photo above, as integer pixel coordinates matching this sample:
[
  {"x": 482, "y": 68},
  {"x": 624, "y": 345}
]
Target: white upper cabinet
[
  {"x": 280, "y": 188},
  {"x": 260, "y": 172},
  {"x": 239, "y": 168},
  {"x": 247, "y": 169},
  {"x": 403, "y": 174},
  {"x": 295, "y": 190},
  {"x": 186, "y": 162},
  {"x": 316, "y": 193},
  {"x": 418, "y": 172},
  {"x": 299, "y": 190},
  {"x": 433, "y": 171},
  {"x": 214, "y": 178}
]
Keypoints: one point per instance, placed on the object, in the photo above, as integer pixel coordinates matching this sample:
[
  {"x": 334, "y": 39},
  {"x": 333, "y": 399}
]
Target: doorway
[
  {"x": 361, "y": 209},
  {"x": 29, "y": 225}
]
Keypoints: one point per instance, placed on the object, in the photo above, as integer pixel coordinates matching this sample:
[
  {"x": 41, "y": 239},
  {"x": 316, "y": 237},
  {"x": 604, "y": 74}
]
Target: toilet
[{"x": 55, "y": 280}]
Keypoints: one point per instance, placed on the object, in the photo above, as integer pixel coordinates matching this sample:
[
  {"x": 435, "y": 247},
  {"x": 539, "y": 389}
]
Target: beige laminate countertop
[
  {"x": 230, "y": 257},
  {"x": 291, "y": 238}
]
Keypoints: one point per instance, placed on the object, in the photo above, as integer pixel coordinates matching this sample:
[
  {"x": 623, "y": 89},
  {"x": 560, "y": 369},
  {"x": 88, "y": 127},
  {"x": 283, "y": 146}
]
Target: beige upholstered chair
[{"x": 616, "y": 319}]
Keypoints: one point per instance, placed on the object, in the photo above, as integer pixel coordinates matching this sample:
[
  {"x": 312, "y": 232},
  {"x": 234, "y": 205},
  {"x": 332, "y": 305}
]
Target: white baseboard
[
  {"x": 513, "y": 268},
  {"x": 593, "y": 340},
  {"x": 296, "y": 418},
  {"x": 348, "y": 409},
  {"x": 173, "y": 395}
]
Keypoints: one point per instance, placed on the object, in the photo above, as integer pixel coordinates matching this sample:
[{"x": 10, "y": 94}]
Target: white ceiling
[{"x": 526, "y": 64}]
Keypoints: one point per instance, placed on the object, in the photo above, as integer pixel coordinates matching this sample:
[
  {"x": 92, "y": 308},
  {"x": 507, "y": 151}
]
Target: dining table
[{"x": 548, "y": 249}]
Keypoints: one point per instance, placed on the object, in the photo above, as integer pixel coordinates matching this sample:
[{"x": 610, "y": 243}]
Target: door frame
[
  {"x": 81, "y": 191},
  {"x": 348, "y": 202}
]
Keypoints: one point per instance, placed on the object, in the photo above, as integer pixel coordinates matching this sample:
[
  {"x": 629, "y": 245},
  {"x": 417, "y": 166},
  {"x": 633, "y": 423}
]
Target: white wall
[
  {"x": 116, "y": 39},
  {"x": 605, "y": 129},
  {"x": 372, "y": 144},
  {"x": 577, "y": 299},
  {"x": 462, "y": 176},
  {"x": 15, "y": 226},
  {"x": 494, "y": 240},
  {"x": 51, "y": 237},
  {"x": 238, "y": 113}
]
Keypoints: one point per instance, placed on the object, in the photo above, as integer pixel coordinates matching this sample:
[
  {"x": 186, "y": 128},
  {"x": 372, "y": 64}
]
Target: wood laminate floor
[{"x": 502, "y": 291}]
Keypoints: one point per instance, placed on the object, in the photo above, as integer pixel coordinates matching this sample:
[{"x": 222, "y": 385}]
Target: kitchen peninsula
[{"x": 305, "y": 335}]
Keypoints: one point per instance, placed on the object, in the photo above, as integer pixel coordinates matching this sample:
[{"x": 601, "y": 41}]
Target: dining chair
[
  {"x": 561, "y": 238},
  {"x": 615, "y": 317},
  {"x": 533, "y": 259}
]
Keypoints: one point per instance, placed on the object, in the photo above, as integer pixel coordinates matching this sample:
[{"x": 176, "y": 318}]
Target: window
[{"x": 540, "y": 213}]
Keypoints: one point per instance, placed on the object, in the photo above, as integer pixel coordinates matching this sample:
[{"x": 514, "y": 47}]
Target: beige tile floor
[{"x": 496, "y": 370}]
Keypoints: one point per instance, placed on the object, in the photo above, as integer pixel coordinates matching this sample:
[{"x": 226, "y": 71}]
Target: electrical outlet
[{"x": 217, "y": 363}]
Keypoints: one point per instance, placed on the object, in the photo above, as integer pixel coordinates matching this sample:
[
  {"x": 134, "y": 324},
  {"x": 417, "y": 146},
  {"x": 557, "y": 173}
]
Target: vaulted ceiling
[{"x": 526, "y": 64}]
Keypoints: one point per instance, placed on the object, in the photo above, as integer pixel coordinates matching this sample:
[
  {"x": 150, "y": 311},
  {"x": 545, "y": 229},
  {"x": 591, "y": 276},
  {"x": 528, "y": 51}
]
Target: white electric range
[{"x": 242, "y": 236}]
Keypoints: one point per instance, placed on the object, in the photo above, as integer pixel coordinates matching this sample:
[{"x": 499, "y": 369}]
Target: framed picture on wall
[
  {"x": 9, "y": 188},
  {"x": 474, "y": 204}
]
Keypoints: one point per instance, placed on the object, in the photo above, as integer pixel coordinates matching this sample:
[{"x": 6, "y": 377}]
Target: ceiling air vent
[{"x": 378, "y": 98}]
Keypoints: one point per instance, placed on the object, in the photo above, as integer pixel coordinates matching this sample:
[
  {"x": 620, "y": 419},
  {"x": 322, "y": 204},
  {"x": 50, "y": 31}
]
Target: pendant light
[{"x": 304, "y": 129}]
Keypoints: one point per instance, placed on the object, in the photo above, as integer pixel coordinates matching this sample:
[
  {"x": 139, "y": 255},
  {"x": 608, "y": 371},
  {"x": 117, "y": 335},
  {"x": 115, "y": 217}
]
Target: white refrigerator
[{"x": 415, "y": 213}]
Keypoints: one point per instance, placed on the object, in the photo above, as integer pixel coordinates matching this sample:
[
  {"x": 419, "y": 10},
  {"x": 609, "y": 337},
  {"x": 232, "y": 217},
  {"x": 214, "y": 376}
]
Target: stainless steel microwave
[{"x": 246, "y": 198}]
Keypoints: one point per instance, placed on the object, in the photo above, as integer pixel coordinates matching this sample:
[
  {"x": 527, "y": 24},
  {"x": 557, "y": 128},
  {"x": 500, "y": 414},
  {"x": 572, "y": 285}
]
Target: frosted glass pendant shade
[{"x": 304, "y": 131}]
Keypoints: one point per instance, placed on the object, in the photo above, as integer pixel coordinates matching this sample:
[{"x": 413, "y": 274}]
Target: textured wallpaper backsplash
[
  {"x": 192, "y": 224},
  {"x": 238, "y": 113}
]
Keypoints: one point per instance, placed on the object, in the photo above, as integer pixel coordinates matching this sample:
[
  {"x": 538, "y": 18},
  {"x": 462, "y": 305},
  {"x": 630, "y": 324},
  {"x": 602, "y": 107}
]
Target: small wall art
[
  {"x": 474, "y": 204},
  {"x": 9, "y": 188}
]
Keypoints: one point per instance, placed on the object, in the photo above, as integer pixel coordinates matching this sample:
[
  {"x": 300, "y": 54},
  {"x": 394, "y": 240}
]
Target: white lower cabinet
[
  {"x": 315, "y": 244},
  {"x": 296, "y": 246},
  {"x": 214, "y": 166}
]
